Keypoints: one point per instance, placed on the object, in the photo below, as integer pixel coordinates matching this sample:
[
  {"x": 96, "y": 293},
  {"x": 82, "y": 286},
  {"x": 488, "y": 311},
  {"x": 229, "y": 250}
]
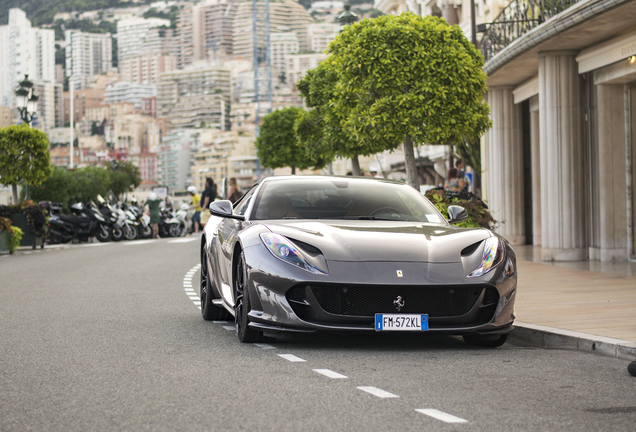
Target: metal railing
[{"x": 517, "y": 19}]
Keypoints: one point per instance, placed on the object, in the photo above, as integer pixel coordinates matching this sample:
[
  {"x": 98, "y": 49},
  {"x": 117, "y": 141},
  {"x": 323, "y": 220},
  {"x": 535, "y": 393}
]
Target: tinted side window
[{"x": 242, "y": 206}]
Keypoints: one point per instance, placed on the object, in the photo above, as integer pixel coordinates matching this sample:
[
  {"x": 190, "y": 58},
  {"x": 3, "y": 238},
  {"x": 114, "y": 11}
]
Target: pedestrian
[
  {"x": 453, "y": 182},
  {"x": 234, "y": 193},
  {"x": 153, "y": 206},
  {"x": 461, "y": 173},
  {"x": 208, "y": 195},
  {"x": 196, "y": 204}
]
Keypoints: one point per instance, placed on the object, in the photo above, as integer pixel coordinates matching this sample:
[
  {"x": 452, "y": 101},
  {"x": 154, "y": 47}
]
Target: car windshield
[{"x": 336, "y": 198}]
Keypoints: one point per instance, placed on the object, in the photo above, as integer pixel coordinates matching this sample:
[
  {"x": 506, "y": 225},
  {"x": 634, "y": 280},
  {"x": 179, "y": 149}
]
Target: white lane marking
[
  {"x": 138, "y": 242},
  {"x": 291, "y": 358},
  {"x": 184, "y": 240},
  {"x": 329, "y": 373},
  {"x": 377, "y": 392},
  {"x": 229, "y": 327},
  {"x": 55, "y": 246},
  {"x": 191, "y": 291},
  {"x": 94, "y": 244},
  {"x": 439, "y": 415},
  {"x": 264, "y": 346},
  {"x": 189, "y": 285},
  {"x": 219, "y": 322}
]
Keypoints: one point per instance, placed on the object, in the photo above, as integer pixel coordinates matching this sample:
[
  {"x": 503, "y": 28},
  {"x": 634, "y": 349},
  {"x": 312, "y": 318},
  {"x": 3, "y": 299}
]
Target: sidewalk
[{"x": 566, "y": 305}]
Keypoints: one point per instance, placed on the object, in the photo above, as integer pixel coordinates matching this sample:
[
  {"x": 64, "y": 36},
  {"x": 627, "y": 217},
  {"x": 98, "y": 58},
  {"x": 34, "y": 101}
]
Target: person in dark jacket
[
  {"x": 234, "y": 193},
  {"x": 208, "y": 196}
]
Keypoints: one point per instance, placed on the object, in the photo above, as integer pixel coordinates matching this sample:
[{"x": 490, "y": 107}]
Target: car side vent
[
  {"x": 306, "y": 246},
  {"x": 467, "y": 251}
]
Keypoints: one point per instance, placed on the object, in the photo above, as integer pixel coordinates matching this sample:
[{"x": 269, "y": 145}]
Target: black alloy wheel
[
  {"x": 209, "y": 311},
  {"x": 242, "y": 305},
  {"x": 175, "y": 230},
  {"x": 116, "y": 234},
  {"x": 103, "y": 234},
  {"x": 486, "y": 341},
  {"x": 145, "y": 231}
]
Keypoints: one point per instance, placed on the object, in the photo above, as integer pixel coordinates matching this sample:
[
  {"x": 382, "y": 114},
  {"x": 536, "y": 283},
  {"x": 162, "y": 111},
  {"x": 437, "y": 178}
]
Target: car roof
[{"x": 327, "y": 177}]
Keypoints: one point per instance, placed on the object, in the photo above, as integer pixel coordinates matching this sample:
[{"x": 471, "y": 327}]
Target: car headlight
[
  {"x": 493, "y": 255},
  {"x": 283, "y": 249}
]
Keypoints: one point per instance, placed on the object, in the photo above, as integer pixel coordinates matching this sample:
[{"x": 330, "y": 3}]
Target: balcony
[{"x": 517, "y": 19}]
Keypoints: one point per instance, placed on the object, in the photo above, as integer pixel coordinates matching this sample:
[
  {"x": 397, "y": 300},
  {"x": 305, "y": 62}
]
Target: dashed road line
[
  {"x": 377, "y": 392},
  {"x": 330, "y": 374},
  {"x": 138, "y": 242},
  {"x": 219, "y": 322},
  {"x": 229, "y": 327},
  {"x": 291, "y": 358},
  {"x": 440, "y": 415},
  {"x": 264, "y": 346}
]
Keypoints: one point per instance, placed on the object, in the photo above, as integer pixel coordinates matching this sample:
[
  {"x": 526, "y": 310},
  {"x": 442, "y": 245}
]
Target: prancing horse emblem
[{"x": 399, "y": 303}]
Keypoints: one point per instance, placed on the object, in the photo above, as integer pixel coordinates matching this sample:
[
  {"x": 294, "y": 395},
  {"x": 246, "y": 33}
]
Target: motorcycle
[
  {"x": 85, "y": 222},
  {"x": 144, "y": 230},
  {"x": 182, "y": 217},
  {"x": 168, "y": 224},
  {"x": 115, "y": 230}
]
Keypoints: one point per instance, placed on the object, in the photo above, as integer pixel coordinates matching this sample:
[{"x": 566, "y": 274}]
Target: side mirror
[
  {"x": 223, "y": 208},
  {"x": 456, "y": 214}
]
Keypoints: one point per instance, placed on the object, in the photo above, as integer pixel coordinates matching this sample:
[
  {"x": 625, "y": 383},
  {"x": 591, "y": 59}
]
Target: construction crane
[{"x": 262, "y": 58}]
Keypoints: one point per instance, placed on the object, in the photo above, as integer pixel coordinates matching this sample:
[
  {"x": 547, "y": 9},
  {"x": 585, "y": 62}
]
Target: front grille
[{"x": 367, "y": 300}]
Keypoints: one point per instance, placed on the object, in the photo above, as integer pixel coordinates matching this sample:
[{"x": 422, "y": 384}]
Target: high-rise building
[
  {"x": 131, "y": 34},
  {"x": 320, "y": 35},
  {"x": 49, "y": 113},
  {"x": 195, "y": 95},
  {"x": 284, "y": 15},
  {"x": 87, "y": 54},
  {"x": 129, "y": 92},
  {"x": 299, "y": 64},
  {"x": 156, "y": 56},
  {"x": 204, "y": 32},
  {"x": 283, "y": 45},
  {"x": 24, "y": 50}
]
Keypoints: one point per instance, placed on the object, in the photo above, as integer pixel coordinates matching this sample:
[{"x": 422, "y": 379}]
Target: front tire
[
  {"x": 242, "y": 305},
  {"x": 486, "y": 341},
  {"x": 103, "y": 235},
  {"x": 129, "y": 232},
  {"x": 116, "y": 234},
  {"x": 209, "y": 311}
]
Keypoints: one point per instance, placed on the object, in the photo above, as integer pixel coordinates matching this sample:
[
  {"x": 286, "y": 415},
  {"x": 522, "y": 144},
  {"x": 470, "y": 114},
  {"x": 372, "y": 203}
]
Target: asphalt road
[{"x": 109, "y": 337}]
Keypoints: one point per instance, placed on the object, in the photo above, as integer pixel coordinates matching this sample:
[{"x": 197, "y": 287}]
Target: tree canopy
[
  {"x": 405, "y": 79},
  {"x": 277, "y": 145},
  {"x": 24, "y": 157},
  {"x": 321, "y": 129}
]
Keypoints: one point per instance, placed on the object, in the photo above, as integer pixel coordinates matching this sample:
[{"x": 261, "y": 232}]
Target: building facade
[{"x": 87, "y": 54}]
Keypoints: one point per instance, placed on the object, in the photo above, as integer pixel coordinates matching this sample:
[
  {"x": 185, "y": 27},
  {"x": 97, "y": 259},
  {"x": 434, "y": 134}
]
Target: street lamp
[
  {"x": 26, "y": 100},
  {"x": 346, "y": 17},
  {"x": 27, "y": 104}
]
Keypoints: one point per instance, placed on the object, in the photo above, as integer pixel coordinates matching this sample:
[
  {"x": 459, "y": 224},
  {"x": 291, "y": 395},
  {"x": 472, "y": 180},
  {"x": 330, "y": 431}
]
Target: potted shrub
[
  {"x": 31, "y": 220},
  {"x": 10, "y": 236}
]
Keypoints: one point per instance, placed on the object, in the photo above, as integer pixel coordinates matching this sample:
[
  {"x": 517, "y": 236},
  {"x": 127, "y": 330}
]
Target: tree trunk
[
  {"x": 412, "y": 178},
  {"x": 293, "y": 170},
  {"x": 330, "y": 169},
  {"x": 355, "y": 166},
  {"x": 14, "y": 188}
]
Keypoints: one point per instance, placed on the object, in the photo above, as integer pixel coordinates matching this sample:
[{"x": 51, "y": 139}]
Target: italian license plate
[{"x": 401, "y": 322}]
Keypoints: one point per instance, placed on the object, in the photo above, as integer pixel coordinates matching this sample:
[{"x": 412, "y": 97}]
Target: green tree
[
  {"x": 124, "y": 177},
  {"x": 277, "y": 146},
  {"x": 71, "y": 186},
  {"x": 321, "y": 129},
  {"x": 405, "y": 79},
  {"x": 24, "y": 157}
]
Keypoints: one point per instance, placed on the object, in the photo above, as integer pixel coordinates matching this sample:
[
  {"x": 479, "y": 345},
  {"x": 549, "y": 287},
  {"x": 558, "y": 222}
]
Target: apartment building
[
  {"x": 24, "y": 51},
  {"x": 320, "y": 35},
  {"x": 175, "y": 158},
  {"x": 129, "y": 92},
  {"x": 87, "y": 54},
  {"x": 50, "y": 109},
  {"x": 131, "y": 33},
  {"x": 284, "y": 15},
  {"x": 195, "y": 96},
  {"x": 82, "y": 100},
  {"x": 204, "y": 31},
  {"x": 283, "y": 45},
  {"x": 299, "y": 64}
]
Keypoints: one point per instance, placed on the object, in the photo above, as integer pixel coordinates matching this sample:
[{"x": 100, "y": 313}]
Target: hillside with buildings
[{"x": 172, "y": 86}]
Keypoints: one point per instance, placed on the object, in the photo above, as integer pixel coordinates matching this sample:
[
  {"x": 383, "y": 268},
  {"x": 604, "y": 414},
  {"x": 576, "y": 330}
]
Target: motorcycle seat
[{"x": 76, "y": 220}]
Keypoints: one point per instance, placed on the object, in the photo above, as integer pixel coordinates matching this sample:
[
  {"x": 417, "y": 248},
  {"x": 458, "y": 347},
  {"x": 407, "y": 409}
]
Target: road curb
[{"x": 554, "y": 338}]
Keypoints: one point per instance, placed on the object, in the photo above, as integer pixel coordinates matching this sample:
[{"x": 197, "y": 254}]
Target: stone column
[
  {"x": 504, "y": 175},
  {"x": 563, "y": 173},
  {"x": 611, "y": 173},
  {"x": 535, "y": 133}
]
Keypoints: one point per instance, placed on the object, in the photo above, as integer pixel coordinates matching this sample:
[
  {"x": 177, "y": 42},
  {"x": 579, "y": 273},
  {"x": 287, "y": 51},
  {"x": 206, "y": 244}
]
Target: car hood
[{"x": 381, "y": 240}]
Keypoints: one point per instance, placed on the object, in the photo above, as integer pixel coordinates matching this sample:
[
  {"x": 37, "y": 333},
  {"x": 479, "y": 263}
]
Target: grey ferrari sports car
[{"x": 317, "y": 253}]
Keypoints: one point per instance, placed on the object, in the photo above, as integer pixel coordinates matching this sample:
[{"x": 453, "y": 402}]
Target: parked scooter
[
  {"x": 144, "y": 230},
  {"x": 115, "y": 230},
  {"x": 182, "y": 217},
  {"x": 85, "y": 222}
]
